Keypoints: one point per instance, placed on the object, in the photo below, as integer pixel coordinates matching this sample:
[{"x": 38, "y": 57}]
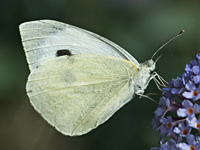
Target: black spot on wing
[{"x": 63, "y": 52}]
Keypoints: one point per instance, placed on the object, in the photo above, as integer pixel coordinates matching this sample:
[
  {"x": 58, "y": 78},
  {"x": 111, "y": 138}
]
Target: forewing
[
  {"x": 77, "y": 93},
  {"x": 42, "y": 39}
]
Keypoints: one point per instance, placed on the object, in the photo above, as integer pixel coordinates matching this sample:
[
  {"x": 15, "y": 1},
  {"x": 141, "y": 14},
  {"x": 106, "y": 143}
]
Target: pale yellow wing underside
[{"x": 78, "y": 93}]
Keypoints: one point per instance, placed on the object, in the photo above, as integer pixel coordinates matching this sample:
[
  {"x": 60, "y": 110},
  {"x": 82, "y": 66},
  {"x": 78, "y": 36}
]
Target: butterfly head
[{"x": 151, "y": 65}]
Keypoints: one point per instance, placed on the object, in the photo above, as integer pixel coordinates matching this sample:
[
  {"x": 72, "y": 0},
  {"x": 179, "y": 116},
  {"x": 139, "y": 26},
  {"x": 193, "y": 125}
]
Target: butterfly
[{"x": 79, "y": 79}]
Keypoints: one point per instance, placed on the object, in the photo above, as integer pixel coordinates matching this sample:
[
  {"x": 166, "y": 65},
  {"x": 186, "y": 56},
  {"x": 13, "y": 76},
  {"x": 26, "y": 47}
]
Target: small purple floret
[{"x": 188, "y": 109}]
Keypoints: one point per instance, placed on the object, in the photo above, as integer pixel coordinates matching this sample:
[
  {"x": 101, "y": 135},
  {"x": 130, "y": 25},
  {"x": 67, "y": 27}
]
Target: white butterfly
[{"x": 79, "y": 79}]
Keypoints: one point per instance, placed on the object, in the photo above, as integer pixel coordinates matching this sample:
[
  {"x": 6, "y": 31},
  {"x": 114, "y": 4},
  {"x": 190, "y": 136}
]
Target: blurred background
[{"x": 139, "y": 26}]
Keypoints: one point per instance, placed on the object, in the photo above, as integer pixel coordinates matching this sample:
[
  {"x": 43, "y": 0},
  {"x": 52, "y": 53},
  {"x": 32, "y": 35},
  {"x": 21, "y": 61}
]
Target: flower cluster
[{"x": 178, "y": 113}]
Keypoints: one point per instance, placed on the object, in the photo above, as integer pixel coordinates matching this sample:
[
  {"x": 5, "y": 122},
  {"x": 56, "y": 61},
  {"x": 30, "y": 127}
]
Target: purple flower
[
  {"x": 188, "y": 68},
  {"x": 193, "y": 122},
  {"x": 175, "y": 86},
  {"x": 196, "y": 79},
  {"x": 194, "y": 93},
  {"x": 181, "y": 99},
  {"x": 156, "y": 123},
  {"x": 188, "y": 109},
  {"x": 178, "y": 84},
  {"x": 163, "y": 107},
  {"x": 186, "y": 77},
  {"x": 182, "y": 129},
  {"x": 195, "y": 70},
  {"x": 193, "y": 62},
  {"x": 167, "y": 126},
  {"x": 192, "y": 143},
  {"x": 167, "y": 94},
  {"x": 198, "y": 58},
  {"x": 170, "y": 145}
]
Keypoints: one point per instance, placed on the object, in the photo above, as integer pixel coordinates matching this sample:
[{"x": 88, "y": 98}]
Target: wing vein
[
  {"x": 94, "y": 109},
  {"x": 73, "y": 86}
]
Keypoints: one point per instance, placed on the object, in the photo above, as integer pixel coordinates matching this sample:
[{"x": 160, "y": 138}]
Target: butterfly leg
[
  {"x": 146, "y": 96},
  {"x": 160, "y": 82},
  {"x": 161, "y": 79}
]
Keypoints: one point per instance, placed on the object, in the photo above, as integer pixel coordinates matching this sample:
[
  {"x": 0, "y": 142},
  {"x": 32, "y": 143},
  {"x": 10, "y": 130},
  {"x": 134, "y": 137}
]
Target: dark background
[{"x": 139, "y": 26}]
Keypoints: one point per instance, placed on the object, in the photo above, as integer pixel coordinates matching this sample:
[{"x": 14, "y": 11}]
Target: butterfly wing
[
  {"x": 78, "y": 93},
  {"x": 42, "y": 39}
]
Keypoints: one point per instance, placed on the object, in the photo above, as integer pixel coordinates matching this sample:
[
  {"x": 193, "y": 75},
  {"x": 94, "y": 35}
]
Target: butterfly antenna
[
  {"x": 158, "y": 58},
  {"x": 177, "y": 35}
]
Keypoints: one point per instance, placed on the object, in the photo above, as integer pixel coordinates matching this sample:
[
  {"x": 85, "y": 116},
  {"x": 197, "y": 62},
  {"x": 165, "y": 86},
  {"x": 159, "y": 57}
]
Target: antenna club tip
[{"x": 182, "y": 31}]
